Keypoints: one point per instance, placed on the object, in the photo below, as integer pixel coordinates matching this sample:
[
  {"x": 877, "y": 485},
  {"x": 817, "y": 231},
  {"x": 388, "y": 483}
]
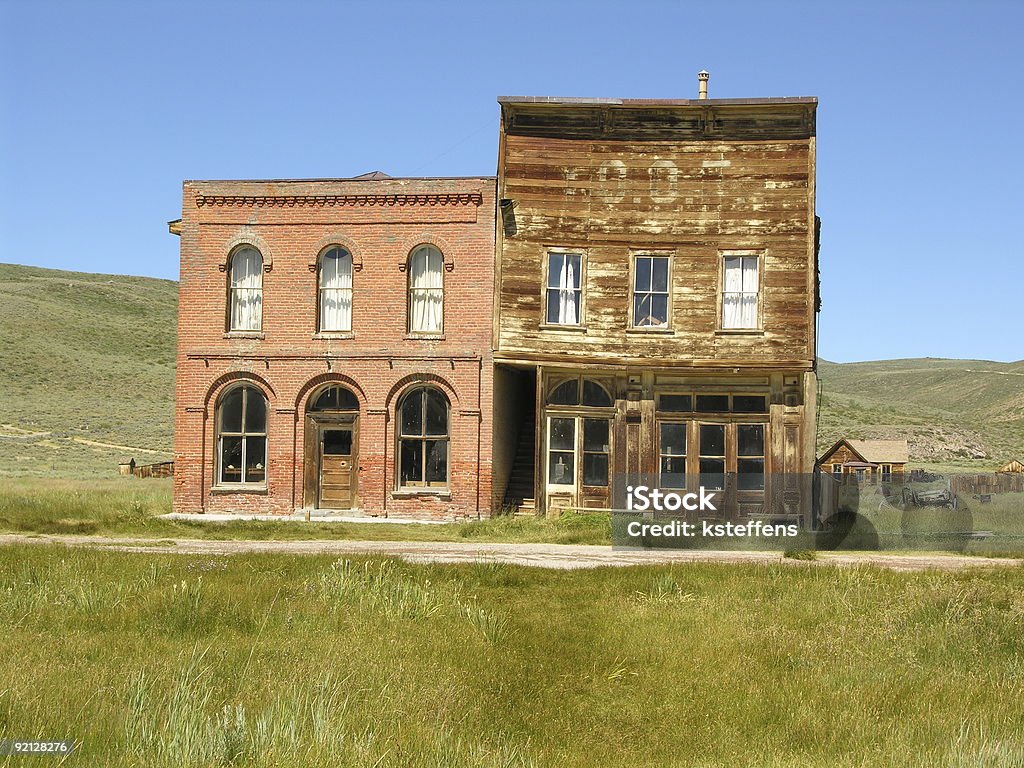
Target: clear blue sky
[{"x": 106, "y": 107}]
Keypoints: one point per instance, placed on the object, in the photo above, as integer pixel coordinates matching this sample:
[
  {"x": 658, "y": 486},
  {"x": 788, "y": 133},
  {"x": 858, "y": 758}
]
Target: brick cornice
[{"x": 280, "y": 201}]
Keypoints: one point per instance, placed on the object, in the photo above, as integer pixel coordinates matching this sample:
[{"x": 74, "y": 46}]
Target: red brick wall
[{"x": 291, "y": 223}]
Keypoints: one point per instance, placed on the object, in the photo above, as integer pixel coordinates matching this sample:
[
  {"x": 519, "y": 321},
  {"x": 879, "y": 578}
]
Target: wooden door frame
[{"x": 316, "y": 423}]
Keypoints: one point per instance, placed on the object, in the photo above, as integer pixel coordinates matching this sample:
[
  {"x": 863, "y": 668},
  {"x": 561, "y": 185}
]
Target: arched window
[
  {"x": 242, "y": 436},
  {"x": 426, "y": 290},
  {"x": 423, "y": 439},
  {"x": 334, "y": 398},
  {"x": 246, "y": 274},
  {"x": 336, "y": 290},
  {"x": 580, "y": 392}
]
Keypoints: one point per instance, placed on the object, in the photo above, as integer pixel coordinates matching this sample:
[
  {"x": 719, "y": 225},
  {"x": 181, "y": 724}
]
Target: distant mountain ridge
[
  {"x": 87, "y": 362},
  {"x": 965, "y": 414}
]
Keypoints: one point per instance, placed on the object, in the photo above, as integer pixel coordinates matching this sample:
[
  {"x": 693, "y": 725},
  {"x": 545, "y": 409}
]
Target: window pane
[
  {"x": 733, "y": 274},
  {"x": 642, "y": 281},
  {"x": 595, "y": 469},
  {"x": 563, "y": 434},
  {"x": 673, "y": 472},
  {"x": 750, "y": 474},
  {"x": 659, "y": 274},
  {"x": 425, "y": 268},
  {"x": 231, "y": 411},
  {"x": 673, "y": 439},
  {"x": 336, "y": 309},
  {"x": 566, "y": 393},
  {"x": 751, "y": 439},
  {"x": 412, "y": 413},
  {"x": 659, "y": 309},
  {"x": 596, "y": 395},
  {"x": 595, "y": 435},
  {"x": 575, "y": 270},
  {"x": 437, "y": 413},
  {"x": 426, "y": 310},
  {"x": 231, "y": 460},
  {"x": 255, "y": 411},
  {"x": 411, "y": 462},
  {"x": 336, "y": 269},
  {"x": 712, "y": 440},
  {"x": 561, "y": 468},
  {"x": 338, "y": 442},
  {"x": 712, "y": 473},
  {"x": 712, "y": 403},
  {"x": 749, "y": 404},
  {"x": 555, "y": 266},
  {"x": 246, "y": 268},
  {"x": 675, "y": 403},
  {"x": 642, "y": 310},
  {"x": 552, "y": 312},
  {"x": 255, "y": 459},
  {"x": 437, "y": 461}
]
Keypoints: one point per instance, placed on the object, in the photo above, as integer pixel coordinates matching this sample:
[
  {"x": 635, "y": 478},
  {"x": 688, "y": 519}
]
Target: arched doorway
[{"x": 332, "y": 449}]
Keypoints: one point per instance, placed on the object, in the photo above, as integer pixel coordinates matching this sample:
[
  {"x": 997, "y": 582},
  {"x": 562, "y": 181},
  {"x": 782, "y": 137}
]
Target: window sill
[
  {"x": 260, "y": 490},
  {"x": 739, "y": 332},
  {"x": 656, "y": 329},
  {"x": 245, "y": 335},
  {"x": 424, "y": 337},
  {"x": 444, "y": 494},
  {"x": 334, "y": 335},
  {"x": 567, "y": 328}
]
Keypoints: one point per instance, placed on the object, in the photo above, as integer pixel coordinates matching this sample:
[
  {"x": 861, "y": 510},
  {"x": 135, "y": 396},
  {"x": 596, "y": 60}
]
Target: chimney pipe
[{"x": 702, "y": 84}]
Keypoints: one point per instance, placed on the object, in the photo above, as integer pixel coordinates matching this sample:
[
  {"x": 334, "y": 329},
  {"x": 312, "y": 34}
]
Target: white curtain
[
  {"x": 336, "y": 291},
  {"x": 567, "y": 309},
  {"x": 739, "y": 299},
  {"x": 247, "y": 290},
  {"x": 426, "y": 290}
]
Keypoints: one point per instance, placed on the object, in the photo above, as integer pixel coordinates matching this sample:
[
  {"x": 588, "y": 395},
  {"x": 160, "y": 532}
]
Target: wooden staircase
[{"x": 520, "y": 491}]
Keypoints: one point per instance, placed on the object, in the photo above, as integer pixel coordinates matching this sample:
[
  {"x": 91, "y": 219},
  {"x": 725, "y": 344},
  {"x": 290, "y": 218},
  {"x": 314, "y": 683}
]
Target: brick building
[{"x": 334, "y": 346}]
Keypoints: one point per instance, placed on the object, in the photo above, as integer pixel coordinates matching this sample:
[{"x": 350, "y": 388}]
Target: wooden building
[
  {"x": 872, "y": 461},
  {"x": 655, "y": 300},
  {"x": 1015, "y": 467}
]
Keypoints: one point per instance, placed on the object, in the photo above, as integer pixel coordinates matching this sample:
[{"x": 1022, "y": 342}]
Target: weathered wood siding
[{"x": 671, "y": 181}]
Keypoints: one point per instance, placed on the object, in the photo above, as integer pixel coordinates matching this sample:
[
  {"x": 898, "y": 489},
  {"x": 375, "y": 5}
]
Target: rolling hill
[
  {"x": 86, "y": 366},
  {"x": 87, "y": 379}
]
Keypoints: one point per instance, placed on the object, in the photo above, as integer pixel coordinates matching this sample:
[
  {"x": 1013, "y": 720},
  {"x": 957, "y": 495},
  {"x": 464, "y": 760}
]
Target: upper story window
[
  {"x": 246, "y": 299},
  {"x": 426, "y": 290},
  {"x": 336, "y": 290},
  {"x": 242, "y": 436},
  {"x": 650, "y": 291},
  {"x": 564, "y": 299},
  {"x": 741, "y": 292}
]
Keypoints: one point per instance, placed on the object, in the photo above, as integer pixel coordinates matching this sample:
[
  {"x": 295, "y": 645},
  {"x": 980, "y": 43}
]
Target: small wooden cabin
[
  {"x": 1012, "y": 467},
  {"x": 873, "y": 461}
]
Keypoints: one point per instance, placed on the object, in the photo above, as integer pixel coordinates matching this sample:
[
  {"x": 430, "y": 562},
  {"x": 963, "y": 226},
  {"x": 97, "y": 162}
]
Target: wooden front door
[{"x": 338, "y": 459}]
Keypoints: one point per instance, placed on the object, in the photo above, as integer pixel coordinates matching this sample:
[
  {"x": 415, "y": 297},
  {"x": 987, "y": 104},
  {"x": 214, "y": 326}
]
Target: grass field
[
  {"x": 129, "y": 507},
  {"x": 175, "y": 661}
]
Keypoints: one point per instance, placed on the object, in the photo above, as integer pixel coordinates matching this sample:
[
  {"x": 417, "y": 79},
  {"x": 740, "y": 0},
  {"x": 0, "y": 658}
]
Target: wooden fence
[
  {"x": 157, "y": 469},
  {"x": 973, "y": 485}
]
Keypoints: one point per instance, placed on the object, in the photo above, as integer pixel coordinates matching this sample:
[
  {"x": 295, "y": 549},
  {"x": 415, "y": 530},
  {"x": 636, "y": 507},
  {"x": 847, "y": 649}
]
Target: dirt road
[{"x": 557, "y": 556}]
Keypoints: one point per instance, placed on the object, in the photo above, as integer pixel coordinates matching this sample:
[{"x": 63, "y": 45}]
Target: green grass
[
  {"x": 263, "y": 660},
  {"x": 84, "y": 356},
  {"x": 131, "y": 507}
]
